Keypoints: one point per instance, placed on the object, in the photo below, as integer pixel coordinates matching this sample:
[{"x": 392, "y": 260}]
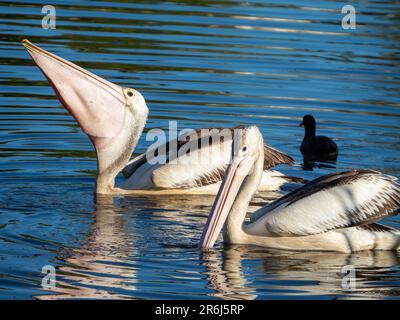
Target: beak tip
[{"x": 26, "y": 43}]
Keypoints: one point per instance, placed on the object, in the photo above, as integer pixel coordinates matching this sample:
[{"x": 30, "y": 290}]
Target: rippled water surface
[{"x": 203, "y": 63}]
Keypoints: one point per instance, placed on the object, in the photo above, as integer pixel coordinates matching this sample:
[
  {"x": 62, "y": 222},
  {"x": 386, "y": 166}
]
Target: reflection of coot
[
  {"x": 316, "y": 148},
  {"x": 310, "y": 164}
]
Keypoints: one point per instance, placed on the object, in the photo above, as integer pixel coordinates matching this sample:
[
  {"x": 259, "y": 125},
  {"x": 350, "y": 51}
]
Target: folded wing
[
  {"x": 339, "y": 200},
  {"x": 202, "y": 160}
]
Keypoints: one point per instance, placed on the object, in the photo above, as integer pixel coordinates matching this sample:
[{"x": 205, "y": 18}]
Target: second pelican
[{"x": 336, "y": 212}]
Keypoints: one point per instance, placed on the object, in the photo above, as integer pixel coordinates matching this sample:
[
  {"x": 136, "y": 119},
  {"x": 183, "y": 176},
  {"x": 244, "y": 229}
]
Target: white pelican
[
  {"x": 114, "y": 117},
  {"x": 336, "y": 212}
]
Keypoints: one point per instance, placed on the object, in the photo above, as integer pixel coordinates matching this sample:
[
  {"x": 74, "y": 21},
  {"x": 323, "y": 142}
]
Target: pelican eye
[
  {"x": 130, "y": 93},
  {"x": 244, "y": 149}
]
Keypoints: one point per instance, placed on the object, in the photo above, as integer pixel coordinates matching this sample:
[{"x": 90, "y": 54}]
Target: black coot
[{"x": 316, "y": 147}]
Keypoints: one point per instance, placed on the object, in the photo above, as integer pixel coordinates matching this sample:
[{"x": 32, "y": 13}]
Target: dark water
[{"x": 202, "y": 63}]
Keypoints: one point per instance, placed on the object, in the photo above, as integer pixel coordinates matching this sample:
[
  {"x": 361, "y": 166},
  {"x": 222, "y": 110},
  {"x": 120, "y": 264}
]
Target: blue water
[{"x": 202, "y": 63}]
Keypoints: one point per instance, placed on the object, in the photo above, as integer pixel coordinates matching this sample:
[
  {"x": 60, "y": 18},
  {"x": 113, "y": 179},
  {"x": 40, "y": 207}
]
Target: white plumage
[
  {"x": 197, "y": 170},
  {"x": 357, "y": 201}
]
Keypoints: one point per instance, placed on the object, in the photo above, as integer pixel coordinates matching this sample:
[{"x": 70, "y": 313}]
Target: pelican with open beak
[
  {"x": 114, "y": 117},
  {"x": 336, "y": 212}
]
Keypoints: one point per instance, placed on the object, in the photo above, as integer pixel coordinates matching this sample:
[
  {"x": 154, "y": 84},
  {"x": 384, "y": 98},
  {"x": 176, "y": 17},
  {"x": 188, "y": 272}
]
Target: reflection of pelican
[
  {"x": 297, "y": 273},
  {"x": 114, "y": 117},
  {"x": 101, "y": 263},
  {"x": 332, "y": 213},
  {"x": 112, "y": 260},
  {"x": 225, "y": 274}
]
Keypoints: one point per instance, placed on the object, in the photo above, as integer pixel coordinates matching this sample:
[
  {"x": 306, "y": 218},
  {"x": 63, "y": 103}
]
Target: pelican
[
  {"x": 114, "y": 117},
  {"x": 336, "y": 212}
]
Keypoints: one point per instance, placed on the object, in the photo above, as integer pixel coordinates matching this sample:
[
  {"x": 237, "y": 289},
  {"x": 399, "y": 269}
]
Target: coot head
[{"x": 308, "y": 121}]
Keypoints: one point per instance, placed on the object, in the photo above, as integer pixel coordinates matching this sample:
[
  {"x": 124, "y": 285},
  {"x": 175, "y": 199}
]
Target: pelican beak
[
  {"x": 230, "y": 187},
  {"x": 98, "y": 105},
  {"x": 301, "y": 124}
]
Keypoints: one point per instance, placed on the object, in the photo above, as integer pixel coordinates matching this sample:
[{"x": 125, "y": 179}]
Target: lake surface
[{"x": 202, "y": 63}]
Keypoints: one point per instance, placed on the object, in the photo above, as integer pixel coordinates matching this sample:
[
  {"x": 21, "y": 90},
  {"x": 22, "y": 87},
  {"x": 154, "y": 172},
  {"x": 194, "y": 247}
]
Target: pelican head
[
  {"x": 112, "y": 116},
  {"x": 234, "y": 195}
]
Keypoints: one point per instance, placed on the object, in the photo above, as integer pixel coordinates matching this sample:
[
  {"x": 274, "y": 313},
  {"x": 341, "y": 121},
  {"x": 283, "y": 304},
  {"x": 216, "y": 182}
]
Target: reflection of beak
[
  {"x": 223, "y": 203},
  {"x": 97, "y": 105}
]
